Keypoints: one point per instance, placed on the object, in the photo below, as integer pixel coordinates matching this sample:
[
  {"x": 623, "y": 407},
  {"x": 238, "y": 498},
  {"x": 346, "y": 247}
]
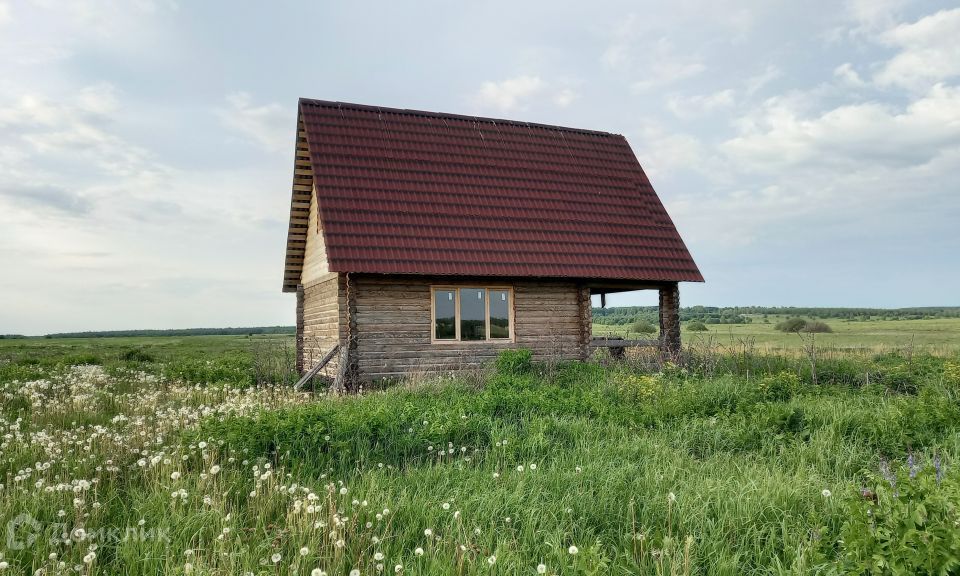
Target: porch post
[
  {"x": 300, "y": 329},
  {"x": 585, "y": 319},
  {"x": 670, "y": 321}
]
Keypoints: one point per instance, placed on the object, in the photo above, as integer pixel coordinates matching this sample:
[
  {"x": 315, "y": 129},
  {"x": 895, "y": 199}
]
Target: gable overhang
[{"x": 300, "y": 198}]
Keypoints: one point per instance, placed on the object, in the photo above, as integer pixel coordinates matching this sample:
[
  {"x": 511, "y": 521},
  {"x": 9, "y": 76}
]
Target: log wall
[
  {"x": 393, "y": 325},
  {"x": 321, "y": 321}
]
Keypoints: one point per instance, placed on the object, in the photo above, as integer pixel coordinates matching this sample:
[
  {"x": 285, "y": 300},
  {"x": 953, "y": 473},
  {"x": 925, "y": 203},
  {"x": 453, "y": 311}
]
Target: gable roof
[{"x": 410, "y": 192}]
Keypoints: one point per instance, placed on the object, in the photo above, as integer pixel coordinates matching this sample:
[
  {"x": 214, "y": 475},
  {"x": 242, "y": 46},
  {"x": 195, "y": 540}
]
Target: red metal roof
[{"x": 409, "y": 192}]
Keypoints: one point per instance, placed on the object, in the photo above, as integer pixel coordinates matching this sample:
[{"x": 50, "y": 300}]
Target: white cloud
[
  {"x": 688, "y": 107},
  {"x": 662, "y": 152},
  {"x": 50, "y": 32},
  {"x": 848, "y": 75},
  {"x": 857, "y": 135},
  {"x": 648, "y": 56},
  {"x": 268, "y": 125},
  {"x": 519, "y": 92},
  {"x": 74, "y": 131},
  {"x": 929, "y": 51},
  {"x": 617, "y": 53},
  {"x": 508, "y": 94},
  {"x": 100, "y": 99},
  {"x": 664, "y": 66},
  {"x": 565, "y": 97},
  {"x": 756, "y": 83},
  {"x": 872, "y": 16}
]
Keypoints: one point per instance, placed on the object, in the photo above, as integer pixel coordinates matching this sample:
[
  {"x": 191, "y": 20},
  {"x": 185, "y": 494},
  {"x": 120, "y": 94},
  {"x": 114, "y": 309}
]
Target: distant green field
[
  {"x": 940, "y": 335},
  {"x": 161, "y": 347}
]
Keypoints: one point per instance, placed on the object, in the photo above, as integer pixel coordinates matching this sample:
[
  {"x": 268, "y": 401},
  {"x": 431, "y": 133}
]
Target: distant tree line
[
  {"x": 11, "y": 336},
  {"x": 625, "y": 315},
  {"x": 179, "y": 332},
  {"x": 854, "y": 314}
]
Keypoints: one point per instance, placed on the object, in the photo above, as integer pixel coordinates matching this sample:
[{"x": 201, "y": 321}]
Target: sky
[{"x": 809, "y": 152}]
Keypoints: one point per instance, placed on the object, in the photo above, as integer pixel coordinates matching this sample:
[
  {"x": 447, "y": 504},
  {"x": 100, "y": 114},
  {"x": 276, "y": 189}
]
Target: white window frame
[{"x": 456, "y": 290}]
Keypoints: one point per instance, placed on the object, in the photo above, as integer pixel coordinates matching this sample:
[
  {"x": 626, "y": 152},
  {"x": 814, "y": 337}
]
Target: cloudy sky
[{"x": 809, "y": 152}]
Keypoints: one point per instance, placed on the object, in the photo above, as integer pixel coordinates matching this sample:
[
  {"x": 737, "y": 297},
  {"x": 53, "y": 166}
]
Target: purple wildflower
[
  {"x": 912, "y": 464},
  {"x": 889, "y": 475}
]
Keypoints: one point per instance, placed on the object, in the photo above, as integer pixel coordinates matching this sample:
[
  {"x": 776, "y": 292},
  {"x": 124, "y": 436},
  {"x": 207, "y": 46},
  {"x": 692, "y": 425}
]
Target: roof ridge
[{"x": 449, "y": 115}]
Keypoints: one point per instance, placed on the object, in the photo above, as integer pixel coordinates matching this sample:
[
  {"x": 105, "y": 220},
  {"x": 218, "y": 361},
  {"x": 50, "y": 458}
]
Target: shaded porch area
[{"x": 668, "y": 341}]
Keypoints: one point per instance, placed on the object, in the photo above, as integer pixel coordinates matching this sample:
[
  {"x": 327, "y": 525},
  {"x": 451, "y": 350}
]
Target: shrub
[
  {"x": 514, "y": 361},
  {"x": 791, "y": 325},
  {"x": 902, "y": 522},
  {"x": 234, "y": 368},
  {"x": 900, "y": 379},
  {"x": 779, "y": 387},
  {"x": 696, "y": 326},
  {"x": 636, "y": 386},
  {"x": 643, "y": 327},
  {"x": 136, "y": 355},
  {"x": 80, "y": 359},
  {"x": 951, "y": 377},
  {"x": 842, "y": 372},
  {"x": 951, "y": 372},
  {"x": 815, "y": 326}
]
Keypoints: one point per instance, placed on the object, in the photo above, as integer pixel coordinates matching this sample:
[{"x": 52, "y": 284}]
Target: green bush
[
  {"x": 951, "y": 373},
  {"x": 514, "y": 361},
  {"x": 901, "y": 379},
  {"x": 779, "y": 387},
  {"x": 842, "y": 372},
  {"x": 234, "y": 368},
  {"x": 818, "y": 327},
  {"x": 951, "y": 379},
  {"x": 643, "y": 327},
  {"x": 905, "y": 521},
  {"x": 791, "y": 325},
  {"x": 136, "y": 355},
  {"x": 636, "y": 387},
  {"x": 79, "y": 359},
  {"x": 696, "y": 326}
]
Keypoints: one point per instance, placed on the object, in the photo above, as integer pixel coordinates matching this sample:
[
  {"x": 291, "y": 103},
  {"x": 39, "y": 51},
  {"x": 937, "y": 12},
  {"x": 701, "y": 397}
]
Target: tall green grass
[{"x": 583, "y": 468}]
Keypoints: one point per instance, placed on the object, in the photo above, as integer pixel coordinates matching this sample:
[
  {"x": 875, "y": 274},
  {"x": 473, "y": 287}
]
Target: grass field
[
  {"x": 937, "y": 336},
  {"x": 190, "y": 456}
]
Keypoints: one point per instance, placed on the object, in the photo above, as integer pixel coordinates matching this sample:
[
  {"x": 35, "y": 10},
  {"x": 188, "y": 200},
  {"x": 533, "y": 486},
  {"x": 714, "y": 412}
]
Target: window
[
  {"x": 445, "y": 315},
  {"x": 469, "y": 314},
  {"x": 499, "y": 314},
  {"x": 473, "y": 314}
]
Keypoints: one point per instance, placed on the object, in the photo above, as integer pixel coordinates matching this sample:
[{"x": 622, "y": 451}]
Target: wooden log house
[{"x": 425, "y": 242}]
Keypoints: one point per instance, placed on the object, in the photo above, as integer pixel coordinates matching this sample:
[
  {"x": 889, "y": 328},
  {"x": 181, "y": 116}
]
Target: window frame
[{"x": 455, "y": 288}]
